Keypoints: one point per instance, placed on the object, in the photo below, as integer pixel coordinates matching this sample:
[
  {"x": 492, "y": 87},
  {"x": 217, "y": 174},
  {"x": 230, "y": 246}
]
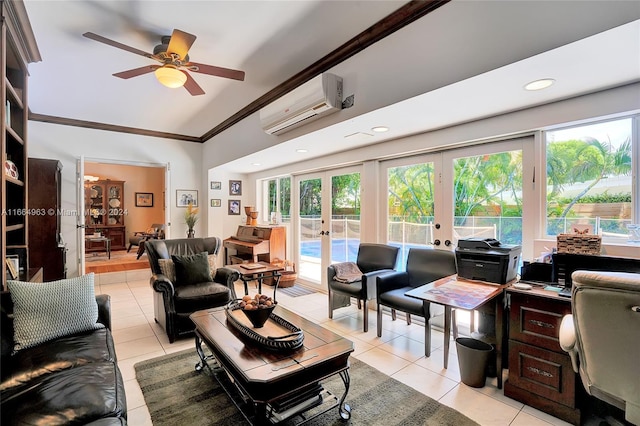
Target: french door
[
  {"x": 326, "y": 221},
  {"x": 436, "y": 199}
]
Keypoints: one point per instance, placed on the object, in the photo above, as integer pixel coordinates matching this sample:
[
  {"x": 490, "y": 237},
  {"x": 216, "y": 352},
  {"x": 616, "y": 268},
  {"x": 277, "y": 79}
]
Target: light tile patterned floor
[{"x": 399, "y": 353}]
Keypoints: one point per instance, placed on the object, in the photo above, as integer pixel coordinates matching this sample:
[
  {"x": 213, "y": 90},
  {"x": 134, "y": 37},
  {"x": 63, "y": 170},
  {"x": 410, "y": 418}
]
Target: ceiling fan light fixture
[{"x": 170, "y": 76}]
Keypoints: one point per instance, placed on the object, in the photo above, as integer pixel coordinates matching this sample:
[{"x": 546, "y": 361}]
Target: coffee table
[{"x": 260, "y": 380}]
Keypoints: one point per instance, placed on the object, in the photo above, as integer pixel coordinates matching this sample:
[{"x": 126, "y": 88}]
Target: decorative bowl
[{"x": 258, "y": 316}]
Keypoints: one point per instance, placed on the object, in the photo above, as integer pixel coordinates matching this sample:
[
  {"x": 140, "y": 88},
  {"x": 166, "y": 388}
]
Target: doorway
[
  {"x": 118, "y": 199},
  {"x": 327, "y": 222},
  {"x": 476, "y": 192}
]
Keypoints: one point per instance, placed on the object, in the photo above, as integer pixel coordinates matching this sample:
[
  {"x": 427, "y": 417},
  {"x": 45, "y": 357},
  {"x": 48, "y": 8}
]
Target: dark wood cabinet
[
  {"x": 46, "y": 245},
  {"x": 540, "y": 372},
  {"x": 105, "y": 212},
  {"x": 17, "y": 49}
]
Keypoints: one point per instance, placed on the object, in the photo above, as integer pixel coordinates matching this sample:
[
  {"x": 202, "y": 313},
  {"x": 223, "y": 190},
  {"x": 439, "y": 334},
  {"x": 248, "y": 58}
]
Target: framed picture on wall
[
  {"x": 235, "y": 187},
  {"x": 144, "y": 199},
  {"x": 184, "y": 197},
  {"x": 234, "y": 207},
  {"x": 216, "y": 202},
  {"x": 216, "y": 185}
]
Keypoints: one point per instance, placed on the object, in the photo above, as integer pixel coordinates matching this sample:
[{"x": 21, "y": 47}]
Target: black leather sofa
[{"x": 69, "y": 380}]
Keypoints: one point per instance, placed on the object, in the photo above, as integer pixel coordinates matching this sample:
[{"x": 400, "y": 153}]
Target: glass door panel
[
  {"x": 345, "y": 217},
  {"x": 485, "y": 187},
  {"x": 310, "y": 228},
  {"x": 328, "y": 221},
  {"x": 411, "y": 204},
  {"x": 488, "y": 197}
]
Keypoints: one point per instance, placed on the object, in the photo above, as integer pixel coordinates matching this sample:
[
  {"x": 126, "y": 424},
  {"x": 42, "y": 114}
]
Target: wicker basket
[
  {"x": 579, "y": 243},
  {"x": 288, "y": 277}
]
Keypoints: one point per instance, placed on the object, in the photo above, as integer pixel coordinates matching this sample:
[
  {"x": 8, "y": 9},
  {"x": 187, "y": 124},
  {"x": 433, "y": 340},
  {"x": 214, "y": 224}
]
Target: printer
[{"x": 485, "y": 259}]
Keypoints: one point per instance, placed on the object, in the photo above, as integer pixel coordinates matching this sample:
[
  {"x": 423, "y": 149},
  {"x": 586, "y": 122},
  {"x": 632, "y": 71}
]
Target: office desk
[{"x": 459, "y": 293}]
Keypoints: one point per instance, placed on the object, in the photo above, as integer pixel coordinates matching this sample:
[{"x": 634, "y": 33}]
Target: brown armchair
[
  {"x": 156, "y": 232},
  {"x": 175, "y": 298},
  {"x": 373, "y": 259}
]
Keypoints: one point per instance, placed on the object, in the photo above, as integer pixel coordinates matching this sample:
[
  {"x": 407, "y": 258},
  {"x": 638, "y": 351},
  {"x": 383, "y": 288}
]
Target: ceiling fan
[{"x": 174, "y": 60}]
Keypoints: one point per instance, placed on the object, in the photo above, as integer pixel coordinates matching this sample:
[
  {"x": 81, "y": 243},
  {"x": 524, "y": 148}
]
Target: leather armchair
[
  {"x": 156, "y": 232},
  {"x": 173, "y": 302},
  {"x": 423, "y": 267},
  {"x": 602, "y": 337},
  {"x": 372, "y": 260}
]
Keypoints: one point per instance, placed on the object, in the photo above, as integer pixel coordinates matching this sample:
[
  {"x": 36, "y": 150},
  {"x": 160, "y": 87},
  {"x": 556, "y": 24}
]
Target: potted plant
[{"x": 190, "y": 218}]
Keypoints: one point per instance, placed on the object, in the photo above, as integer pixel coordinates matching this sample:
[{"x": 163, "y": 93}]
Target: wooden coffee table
[{"x": 265, "y": 384}]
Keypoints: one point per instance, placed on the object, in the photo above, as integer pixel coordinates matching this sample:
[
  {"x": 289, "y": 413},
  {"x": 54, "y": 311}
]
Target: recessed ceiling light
[
  {"x": 539, "y": 84},
  {"x": 380, "y": 129},
  {"x": 255, "y": 164},
  {"x": 302, "y": 150}
]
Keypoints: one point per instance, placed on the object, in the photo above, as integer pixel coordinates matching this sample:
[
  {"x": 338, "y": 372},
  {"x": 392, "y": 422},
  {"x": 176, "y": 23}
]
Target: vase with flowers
[{"x": 190, "y": 218}]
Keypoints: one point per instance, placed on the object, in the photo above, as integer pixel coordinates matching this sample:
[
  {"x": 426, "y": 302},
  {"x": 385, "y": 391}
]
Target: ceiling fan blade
[
  {"x": 180, "y": 43},
  {"x": 137, "y": 71},
  {"x": 191, "y": 85},
  {"x": 110, "y": 42},
  {"x": 217, "y": 71}
]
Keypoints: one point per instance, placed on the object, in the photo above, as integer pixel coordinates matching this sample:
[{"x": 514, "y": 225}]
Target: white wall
[{"x": 67, "y": 144}]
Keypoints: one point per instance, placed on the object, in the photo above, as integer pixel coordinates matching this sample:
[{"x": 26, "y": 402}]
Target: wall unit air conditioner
[{"x": 318, "y": 97}]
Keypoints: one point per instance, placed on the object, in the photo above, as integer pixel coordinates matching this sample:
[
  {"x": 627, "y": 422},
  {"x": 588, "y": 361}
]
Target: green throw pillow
[
  {"x": 47, "y": 311},
  {"x": 192, "y": 269}
]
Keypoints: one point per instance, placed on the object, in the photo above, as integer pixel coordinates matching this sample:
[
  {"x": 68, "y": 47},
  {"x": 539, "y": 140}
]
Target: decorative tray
[{"x": 277, "y": 334}]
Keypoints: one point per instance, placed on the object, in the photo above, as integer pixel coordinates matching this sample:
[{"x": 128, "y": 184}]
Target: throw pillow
[
  {"x": 47, "y": 311},
  {"x": 168, "y": 269},
  {"x": 212, "y": 264},
  {"x": 192, "y": 269}
]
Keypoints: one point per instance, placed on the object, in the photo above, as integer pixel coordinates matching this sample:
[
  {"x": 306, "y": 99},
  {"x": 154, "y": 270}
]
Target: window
[
  {"x": 589, "y": 179},
  {"x": 279, "y": 198}
]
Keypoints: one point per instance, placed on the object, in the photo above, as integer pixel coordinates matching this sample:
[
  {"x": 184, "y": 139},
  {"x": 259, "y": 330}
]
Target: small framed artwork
[
  {"x": 216, "y": 202},
  {"x": 234, "y": 207},
  {"x": 184, "y": 197},
  {"x": 144, "y": 199},
  {"x": 216, "y": 185},
  {"x": 235, "y": 187},
  {"x": 11, "y": 267}
]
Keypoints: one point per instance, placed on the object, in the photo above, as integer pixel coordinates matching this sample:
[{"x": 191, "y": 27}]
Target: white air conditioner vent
[{"x": 318, "y": 97}]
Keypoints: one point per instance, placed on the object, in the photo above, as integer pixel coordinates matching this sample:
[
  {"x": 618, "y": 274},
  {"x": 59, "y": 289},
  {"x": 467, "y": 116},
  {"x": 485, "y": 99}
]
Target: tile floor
[{"x": 398, "y": 353}]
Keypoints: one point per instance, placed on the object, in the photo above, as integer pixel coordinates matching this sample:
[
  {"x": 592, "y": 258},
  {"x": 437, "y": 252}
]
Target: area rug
[
  {"x": 176, "y": 394},
  {"x": 295, "y": 291}
]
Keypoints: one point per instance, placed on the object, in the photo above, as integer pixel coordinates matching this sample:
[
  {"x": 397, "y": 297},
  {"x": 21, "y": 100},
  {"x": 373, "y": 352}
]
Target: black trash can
[{"x": 473, "y": 356}]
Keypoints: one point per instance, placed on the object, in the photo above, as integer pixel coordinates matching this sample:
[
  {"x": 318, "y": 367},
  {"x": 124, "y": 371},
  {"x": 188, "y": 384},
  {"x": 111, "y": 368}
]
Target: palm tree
[{"x": 594, "y": 162}]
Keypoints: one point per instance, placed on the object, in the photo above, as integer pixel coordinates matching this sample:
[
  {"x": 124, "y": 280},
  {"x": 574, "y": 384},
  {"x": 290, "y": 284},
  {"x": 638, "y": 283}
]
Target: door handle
[{"x": 324, "y": 232}]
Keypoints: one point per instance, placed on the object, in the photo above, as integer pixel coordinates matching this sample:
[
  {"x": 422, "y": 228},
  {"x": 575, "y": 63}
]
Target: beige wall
[{"x": 137, "y": 179}]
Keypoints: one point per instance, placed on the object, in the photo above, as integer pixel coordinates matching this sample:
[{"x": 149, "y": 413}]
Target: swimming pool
[{"x": 346, "y": 250}]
